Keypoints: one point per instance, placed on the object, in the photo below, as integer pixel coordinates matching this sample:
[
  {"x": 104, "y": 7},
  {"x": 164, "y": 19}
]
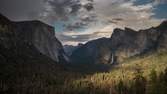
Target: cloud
[
  {"x": 111, "y": 14},
  {"x": 62, "y": 8},
  {"x": 83, "y": 20},
  {"x": 21, "y": 9},
  {"x": 157, "y": 2},
  {"x": 73, "y": 37},
  {"x": 133, "y": 15},
  {"x": 65, "y": 10},
  {"x": 48, "y": 11}
]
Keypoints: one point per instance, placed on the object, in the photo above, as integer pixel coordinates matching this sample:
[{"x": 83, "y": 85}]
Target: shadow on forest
[
  {"x": 52, "y": 78},
  {"x": 39, "y": 77}
]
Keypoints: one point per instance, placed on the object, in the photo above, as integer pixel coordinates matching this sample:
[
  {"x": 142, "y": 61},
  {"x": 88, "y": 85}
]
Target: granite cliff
[
  {"x": 29, "y": 39},
  {"x": 122, "y": 44}
]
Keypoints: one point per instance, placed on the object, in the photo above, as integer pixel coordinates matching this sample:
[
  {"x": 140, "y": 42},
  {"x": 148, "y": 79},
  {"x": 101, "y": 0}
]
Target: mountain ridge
[
  {"x": 33, "y": 34},
  {"x": 122, "y": 44}
]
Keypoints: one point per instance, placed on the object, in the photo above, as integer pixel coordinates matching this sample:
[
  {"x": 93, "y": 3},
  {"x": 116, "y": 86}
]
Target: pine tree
[
  {"x": 139, "y": 86},
  {"x": 121, "y": 87},
  {"x": 153, "y": 85}
]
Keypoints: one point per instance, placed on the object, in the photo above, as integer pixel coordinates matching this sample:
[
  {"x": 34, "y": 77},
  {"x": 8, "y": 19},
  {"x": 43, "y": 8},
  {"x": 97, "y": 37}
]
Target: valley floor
[{"x": 138, "y": 75}]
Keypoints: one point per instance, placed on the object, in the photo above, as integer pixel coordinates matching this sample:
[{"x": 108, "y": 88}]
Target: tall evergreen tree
[
  {"x": 139, "y": 83},
  {"x": 153, "y": 83}
]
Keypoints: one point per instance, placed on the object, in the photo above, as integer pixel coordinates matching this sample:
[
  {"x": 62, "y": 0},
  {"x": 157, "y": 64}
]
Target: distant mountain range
[
  {"x": 29, "y": 40},
  {"x": 70, "y": 48},
  {"x": 122, "y": 44}
]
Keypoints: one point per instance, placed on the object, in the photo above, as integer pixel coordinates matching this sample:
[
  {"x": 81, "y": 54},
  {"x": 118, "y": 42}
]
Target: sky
[{"x": 79, "y": 21}]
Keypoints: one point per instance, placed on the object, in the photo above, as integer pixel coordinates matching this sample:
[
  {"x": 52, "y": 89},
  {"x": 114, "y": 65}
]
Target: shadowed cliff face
[
  {"x": 162, "y": 42},
  {"x": 34, "y": 36},
  {"x": 122, "y": 44},
  {"x": 42, "y": 37},
  {"x": 93, "y": 51}
]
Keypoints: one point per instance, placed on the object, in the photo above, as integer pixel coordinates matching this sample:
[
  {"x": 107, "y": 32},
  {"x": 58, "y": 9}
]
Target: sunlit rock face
[
  {"x": 127, "y": 43},
  {"x": 122, "y": 44},
  {"x": 34, "y": 34}
]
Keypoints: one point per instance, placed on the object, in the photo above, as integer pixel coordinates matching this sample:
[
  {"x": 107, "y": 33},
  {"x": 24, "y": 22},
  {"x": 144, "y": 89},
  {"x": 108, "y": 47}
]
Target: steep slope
[
  {"x": 127, "y": 43},
  {"x": 25, "y": 63},
  {"x": 30, "y": 38},
  {"x": 93, "y": 51},
  {"x": 122, "y": 44},
  {"x": 126, "y": 72},
  {"x": 162, "y": 41},
  {"x": 70, "y": 48}
]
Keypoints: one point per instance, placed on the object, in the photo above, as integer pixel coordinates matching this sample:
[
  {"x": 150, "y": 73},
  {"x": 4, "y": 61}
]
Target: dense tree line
[{"x": 155, "y": 84}]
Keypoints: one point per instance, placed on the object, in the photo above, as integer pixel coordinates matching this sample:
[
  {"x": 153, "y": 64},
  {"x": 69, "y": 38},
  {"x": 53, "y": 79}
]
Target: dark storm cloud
[
  {"x": 66, "y": 10},
  {"x": 89, "y": 6},
  {"x": 63, "y": 8},
  {"x": 115, "y": 20},
  {"x": 45, "y": 10},
  {"x": 20, "y": 9},
  {"x": 82, "y": 23},
  {"x": 75, "y": 12},
  {"x": 118, "y": 19}
]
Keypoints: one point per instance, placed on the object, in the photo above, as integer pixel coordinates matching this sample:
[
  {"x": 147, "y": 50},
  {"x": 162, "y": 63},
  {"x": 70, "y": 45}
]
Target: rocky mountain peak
[
  {"x": 3, "y": 19},
  {"x": 123, "y": 44},
  {"x": 33, "y": 33},
  {"x": 163, "y": 26}
]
